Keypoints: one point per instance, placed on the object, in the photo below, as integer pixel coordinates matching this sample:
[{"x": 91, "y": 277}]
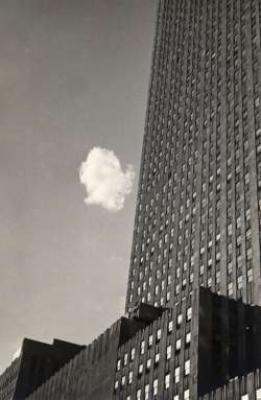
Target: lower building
[
  {"x": 187, "y": 353},
  {"x": 209, "y": 350},
  {"x": 229, "y": 342},
  {"x": 36, "y": 364},
  {"x": 90, "y": 375},
  {"x": 246, "y": 387},
  {"x": 8, "y": 380}
]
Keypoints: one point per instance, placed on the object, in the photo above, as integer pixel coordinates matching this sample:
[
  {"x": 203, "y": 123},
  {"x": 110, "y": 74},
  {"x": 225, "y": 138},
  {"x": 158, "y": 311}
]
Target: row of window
[
  {"x": 147, "y": 391},
  {"x": 129, "y": 356},
  {"x": 177, "y": 372}
]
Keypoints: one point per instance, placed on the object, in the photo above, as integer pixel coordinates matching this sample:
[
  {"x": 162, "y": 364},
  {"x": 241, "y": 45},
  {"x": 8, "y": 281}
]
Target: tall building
[
  {"x": 194, "y": 288},
  {"x": 199, "y": 200}
]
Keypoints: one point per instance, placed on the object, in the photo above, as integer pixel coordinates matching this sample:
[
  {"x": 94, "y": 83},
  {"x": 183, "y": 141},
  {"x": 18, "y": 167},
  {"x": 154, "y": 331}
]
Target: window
[
  {"x": 245, "y": 397},
  {"x": 158, "y": 334},
  {"x": 240, "y": 282},
  {"x": 147, "y": 392},
  {"x": 139, "y": 394},
  {"x": 167, "y": 381},
  {"x": 249, "y": 254},
  {"x": 176, "y": 397},
  {"x": 179, "y": 319},
  {"x": 140, "y": 369},
  {"x": 230, "y": 289},
  {"x": 130, "y": 377},
  {"x": 170, "y": 326},
  {"x": 189, "y": 313},
  {"x": 177, "y": 374},
  {"x": 178, "y": 344},
  {"x": 155, "y": 386},
  {"x": 150, "y": 340},
  {"x": 148, "y": 365},
  {"x": 250, "y": 277},
  {"x": 118, "y": 365},
  {"x": 125, "y": 359},
  {"x": 142, "y": 347},
  {"x": 168, "y": 356},
  {"x": 188, "y": 337},
  {"x": 132, "y": 354},
  {"x": 258, "y": 394},
  {"x": 116, "y": 385},
  {"x": 157, "y": 358},
  {"x": 123, "y": 380},
  {"x": 187, "y": 367},
  {"x": 186, "y": 394}
]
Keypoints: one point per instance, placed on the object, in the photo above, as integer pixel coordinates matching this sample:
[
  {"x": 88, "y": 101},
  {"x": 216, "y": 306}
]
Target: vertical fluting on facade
[{"x": 198, "y": 209}]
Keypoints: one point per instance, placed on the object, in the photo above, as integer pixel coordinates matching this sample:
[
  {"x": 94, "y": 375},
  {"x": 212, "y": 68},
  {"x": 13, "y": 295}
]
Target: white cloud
[{"x": 105, "y": 181}]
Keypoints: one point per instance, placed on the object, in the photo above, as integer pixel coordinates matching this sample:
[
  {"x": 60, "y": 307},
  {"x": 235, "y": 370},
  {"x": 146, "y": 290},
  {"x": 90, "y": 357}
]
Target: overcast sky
[{"x": 73, "y": 83}]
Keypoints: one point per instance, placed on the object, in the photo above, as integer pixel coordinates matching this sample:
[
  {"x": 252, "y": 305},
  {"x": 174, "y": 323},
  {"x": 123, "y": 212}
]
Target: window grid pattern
[
  {"x": 199, "y": 202},
  {"x": 160, "y": 365}
]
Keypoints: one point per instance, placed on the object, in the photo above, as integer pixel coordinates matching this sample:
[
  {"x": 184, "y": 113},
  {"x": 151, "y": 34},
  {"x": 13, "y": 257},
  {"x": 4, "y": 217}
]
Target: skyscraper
[
  {"x": 195, "y": 258},
  {"x": 198, "y": 207}
]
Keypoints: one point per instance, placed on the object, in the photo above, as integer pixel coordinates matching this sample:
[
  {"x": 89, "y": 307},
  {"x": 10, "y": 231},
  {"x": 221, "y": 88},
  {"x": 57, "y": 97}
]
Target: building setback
[
  {"x": 162, "y": 357},
  {"x": 169, "y": 360},
  {"x": 90, "y": 375},
  {"x": 194, "y": 286}
]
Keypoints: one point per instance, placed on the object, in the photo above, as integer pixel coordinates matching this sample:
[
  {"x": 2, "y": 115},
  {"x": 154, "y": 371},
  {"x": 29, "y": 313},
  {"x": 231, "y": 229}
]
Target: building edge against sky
[
  {"x": 149, "y": 356},
  {"x": 195, "y": 257},
  {"x": 198, "y": 202}
]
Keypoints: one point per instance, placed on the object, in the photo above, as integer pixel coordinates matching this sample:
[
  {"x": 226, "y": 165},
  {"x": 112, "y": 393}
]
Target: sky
[{"x": 73, "y": 88}]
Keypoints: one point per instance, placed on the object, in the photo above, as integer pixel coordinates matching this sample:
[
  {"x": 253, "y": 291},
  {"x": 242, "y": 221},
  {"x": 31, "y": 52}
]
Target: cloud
[{"x": 105, "y": 181}]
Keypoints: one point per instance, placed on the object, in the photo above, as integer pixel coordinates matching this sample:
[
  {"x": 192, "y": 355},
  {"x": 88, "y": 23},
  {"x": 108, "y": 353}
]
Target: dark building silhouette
[
  {"x": 165, "y": 354},
  {"x": 37, "y": 362},
  {"x": 194, "y": 292},
  {"x": 91, "y": 374},
  {"x": 246, "y": 387},
  {"x": 185, "y": 355},
  {"x": 229, "y": 342}
]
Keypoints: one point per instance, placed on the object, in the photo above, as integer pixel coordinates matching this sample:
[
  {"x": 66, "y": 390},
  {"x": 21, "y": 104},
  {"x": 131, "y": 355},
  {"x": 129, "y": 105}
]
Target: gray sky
[{"x": 73, "y": 75}]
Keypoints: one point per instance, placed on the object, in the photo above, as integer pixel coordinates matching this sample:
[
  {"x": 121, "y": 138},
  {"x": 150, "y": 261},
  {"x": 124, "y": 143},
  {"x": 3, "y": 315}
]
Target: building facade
[
  {"x": 198, "y": 206},
  {"x": 36, "y": 363},
  {"x": 244, "y": 387},
  {"x": 159, "y": 355},
  {"x": 194, "y": 283},
  {"x": 185, "y": 354},
  {"x": 90, "y": 375}
]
